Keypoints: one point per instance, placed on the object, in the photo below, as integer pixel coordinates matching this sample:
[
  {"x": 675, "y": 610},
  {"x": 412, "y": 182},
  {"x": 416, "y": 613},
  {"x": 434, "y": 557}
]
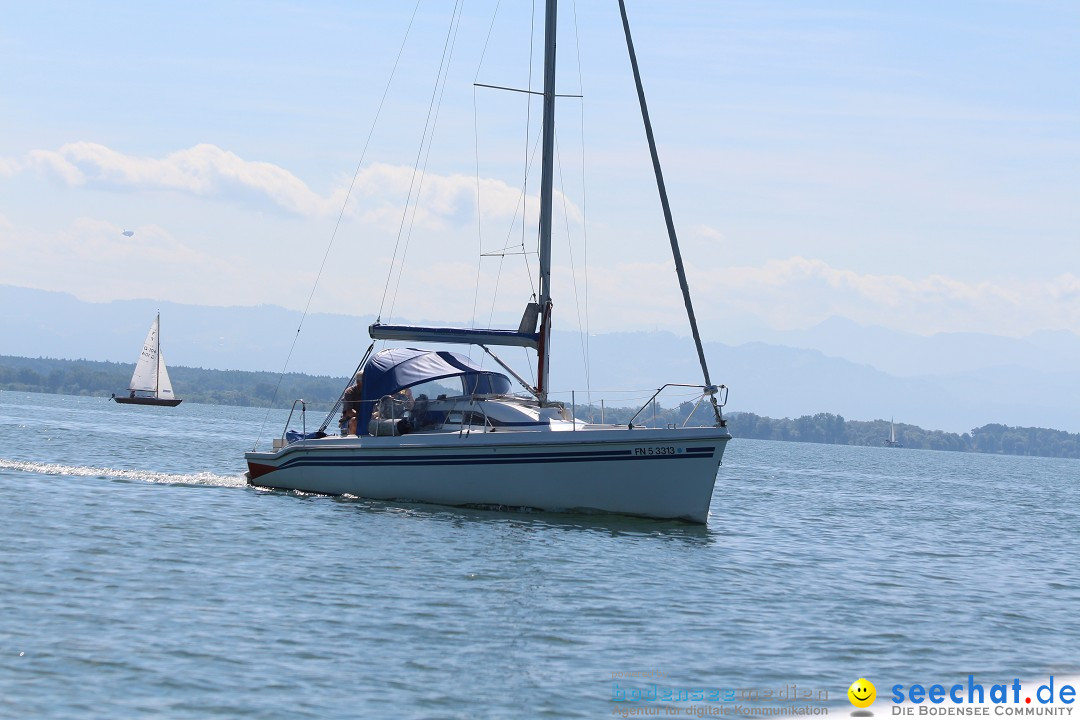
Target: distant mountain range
[{"x": 949, "y": 381}]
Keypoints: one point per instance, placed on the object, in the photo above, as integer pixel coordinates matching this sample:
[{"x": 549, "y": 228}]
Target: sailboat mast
[{"x": 547, "y": 174}]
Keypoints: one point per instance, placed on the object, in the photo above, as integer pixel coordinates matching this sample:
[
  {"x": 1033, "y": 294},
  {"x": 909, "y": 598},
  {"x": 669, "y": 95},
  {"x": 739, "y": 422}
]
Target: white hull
[
  {"x": 659, "y": 473},
  {"x": 469, "y": 441}
]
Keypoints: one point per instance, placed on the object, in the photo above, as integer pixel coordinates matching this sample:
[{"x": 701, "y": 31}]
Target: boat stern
[{"x": 259, "y": 464}]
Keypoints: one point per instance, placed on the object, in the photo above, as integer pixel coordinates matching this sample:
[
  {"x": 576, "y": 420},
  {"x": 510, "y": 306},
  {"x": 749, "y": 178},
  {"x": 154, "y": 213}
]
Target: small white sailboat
[
  {"x": 432, "y": 426},
  {"x": 150, "y": 384},
  {"x": 892, "y": 441}
]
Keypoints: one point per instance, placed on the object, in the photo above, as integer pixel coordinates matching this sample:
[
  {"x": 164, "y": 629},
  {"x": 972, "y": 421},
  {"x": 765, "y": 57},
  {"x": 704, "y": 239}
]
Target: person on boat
[
  {"x": 350, "y": 405},
  {"x": 392, "y": 408}
]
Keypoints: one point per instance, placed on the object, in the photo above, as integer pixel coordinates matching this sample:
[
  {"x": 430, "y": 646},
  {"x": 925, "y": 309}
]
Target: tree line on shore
[
  {"x": 266, "y": 389},
  {"x": 197, "y": 385},
  {"x": 833, "y": 429}
]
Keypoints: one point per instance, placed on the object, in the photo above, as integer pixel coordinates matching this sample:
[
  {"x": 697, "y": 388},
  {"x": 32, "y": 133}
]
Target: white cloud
[
  {"x": 84, "y": 255},
  {"x": 204, "y": 170},
  {"x": 799, "y": 292},
  {"x": 94, "y": 260},
  {"x": 209, "y": 171},
  {"x": 9, "y": 167}
]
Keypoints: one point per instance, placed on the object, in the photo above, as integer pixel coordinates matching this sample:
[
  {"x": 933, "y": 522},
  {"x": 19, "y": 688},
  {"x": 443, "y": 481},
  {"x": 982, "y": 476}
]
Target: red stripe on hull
[{"x": 258, "y": 470}]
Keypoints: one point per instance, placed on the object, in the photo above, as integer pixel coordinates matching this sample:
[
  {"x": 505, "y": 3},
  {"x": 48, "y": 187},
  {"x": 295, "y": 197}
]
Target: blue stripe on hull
[{"x": 491, "y": 459}]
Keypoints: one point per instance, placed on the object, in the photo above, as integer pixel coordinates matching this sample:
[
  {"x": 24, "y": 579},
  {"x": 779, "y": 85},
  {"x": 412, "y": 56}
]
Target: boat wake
[{"x": 202, "y": 478}]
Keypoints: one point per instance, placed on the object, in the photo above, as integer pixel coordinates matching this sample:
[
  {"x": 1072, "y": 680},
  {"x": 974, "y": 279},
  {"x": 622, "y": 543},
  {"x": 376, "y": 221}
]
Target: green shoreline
[
  {"x": 265, "y": 389},
  {"x": 97, "y": 378}
]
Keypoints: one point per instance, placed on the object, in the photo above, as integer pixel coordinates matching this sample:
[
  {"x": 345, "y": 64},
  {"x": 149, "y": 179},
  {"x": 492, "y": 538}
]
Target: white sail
[
  {"x": 145, "y": 377},
  {"x": 164, "y": 384}
]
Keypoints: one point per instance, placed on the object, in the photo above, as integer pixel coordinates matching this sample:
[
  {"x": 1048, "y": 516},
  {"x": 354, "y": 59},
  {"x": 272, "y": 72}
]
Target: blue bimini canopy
[{"x": 389, "y": 371}]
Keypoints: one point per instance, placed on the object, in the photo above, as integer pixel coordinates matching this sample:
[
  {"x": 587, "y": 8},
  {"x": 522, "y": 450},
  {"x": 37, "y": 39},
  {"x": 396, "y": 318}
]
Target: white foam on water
[{"x": 200, "y": 478}]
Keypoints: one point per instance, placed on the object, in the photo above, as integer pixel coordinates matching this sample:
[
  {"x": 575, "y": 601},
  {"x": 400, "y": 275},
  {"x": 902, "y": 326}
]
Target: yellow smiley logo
[{"x": 862, "y": 693}]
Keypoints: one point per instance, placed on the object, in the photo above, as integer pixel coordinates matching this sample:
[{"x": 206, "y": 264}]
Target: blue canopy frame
[{"x": 390, "y": 371}]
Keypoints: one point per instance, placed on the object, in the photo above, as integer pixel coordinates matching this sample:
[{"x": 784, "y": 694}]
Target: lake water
[{"x": 141, "y": 577}]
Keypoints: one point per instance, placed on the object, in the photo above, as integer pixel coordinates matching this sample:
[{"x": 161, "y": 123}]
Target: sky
[{"x": 911, "y": 165}]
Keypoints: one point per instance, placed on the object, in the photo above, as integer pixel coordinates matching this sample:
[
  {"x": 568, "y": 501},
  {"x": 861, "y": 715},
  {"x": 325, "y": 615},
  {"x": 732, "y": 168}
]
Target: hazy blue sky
[{"x": 909, "y": 164}]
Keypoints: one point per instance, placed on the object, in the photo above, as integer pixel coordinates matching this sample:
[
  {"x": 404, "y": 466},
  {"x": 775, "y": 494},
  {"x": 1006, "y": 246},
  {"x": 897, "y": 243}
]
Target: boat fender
[{"x": 389, "y": 427}]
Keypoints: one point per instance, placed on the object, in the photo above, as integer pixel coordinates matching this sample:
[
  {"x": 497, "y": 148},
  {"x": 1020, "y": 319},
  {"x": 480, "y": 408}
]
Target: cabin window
[
  {"x": 450, "y": 387},
  {"x": 485, "y": 384},
  {"x": 482, "y": 383}
]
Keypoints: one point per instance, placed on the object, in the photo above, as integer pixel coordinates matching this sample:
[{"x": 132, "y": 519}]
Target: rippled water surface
[{"x": 141, "y": 577}]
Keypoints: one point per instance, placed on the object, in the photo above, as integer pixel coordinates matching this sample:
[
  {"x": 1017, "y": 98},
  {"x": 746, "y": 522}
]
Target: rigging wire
[
  {"x": 672, "y": 238},
  {"x": 506, "y": 244},
  {"x": 501, "y": 254},
  {"x": 419, "y": 153},
  {"x": 584, "y": 216},
  {"x": 352, "y": 379},
  {"x": 528, "y": 155},
  {"x": 476, "y": 156},
  {"x": 573, "y": 269},
  {"x": 524, "y": 204},
  {"x": 337, "y": 224},
  {"x": 455, "y": 25},
  {"x": 525, "y": 253}
]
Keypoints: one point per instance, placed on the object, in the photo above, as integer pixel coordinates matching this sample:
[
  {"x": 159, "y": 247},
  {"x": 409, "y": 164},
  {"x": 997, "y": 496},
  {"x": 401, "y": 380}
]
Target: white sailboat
[
  {"x": 150, "y": 384},
  {"x": 892, "y": 441},
  {"x": 435, "y": 427}
]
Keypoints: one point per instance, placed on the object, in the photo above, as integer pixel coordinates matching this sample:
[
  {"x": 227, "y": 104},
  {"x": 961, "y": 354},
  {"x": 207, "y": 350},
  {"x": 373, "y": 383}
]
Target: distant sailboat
[
  {"x": 150, "y": 384},
  {"x": 891, "y": 442}
]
